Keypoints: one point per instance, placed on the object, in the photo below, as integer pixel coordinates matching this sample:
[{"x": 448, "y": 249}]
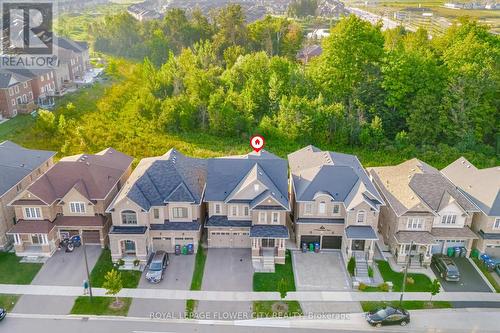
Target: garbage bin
[
  {"x": 457, "y": 251},
  {"x": 304, "y": 247},
  {"x": 177, "y": 250},
  {"x": 311, "y": 247},
  {"x": 190, "y": 249},
  {"x": 316, "y": 247},
  {"x": 184, "y": 249},
  {"x": 474, "y": 253},
  {"x": 450, "y": 251},
  {"x": 463, "y": 252}
]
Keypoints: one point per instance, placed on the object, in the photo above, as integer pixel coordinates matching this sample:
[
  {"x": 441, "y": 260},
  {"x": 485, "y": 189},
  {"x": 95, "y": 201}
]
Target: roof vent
[
  {"x": 468, "y": 166},
  {"x": 21, "y": 165},
  {"x": 87, "y": 163},
  {"x": 463, "y": 161}
]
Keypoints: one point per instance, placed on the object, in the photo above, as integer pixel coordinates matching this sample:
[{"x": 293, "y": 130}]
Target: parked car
[
  {"x": 3, "y": 313},
  {"x": 157, "y": 266},
  {"x": 497, "y": 269},
  {"x": 388, "y": 316},
  {"x": 446, "y": 267}
]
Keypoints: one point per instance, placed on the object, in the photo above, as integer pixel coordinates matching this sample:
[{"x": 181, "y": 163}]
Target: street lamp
[{"x": 404, "y": 276}]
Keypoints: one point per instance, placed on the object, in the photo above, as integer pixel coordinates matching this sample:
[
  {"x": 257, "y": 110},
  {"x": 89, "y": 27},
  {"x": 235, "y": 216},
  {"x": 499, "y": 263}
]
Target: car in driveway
[
  {"x": 157, "y": 266},
  {"x": 388, "y": 316},
  {"x": 3, "y": 313},
  {"x": 446, "y": 268}
]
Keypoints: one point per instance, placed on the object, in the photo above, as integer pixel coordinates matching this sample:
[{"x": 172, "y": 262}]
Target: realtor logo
[{"x": 27, "y": 36}]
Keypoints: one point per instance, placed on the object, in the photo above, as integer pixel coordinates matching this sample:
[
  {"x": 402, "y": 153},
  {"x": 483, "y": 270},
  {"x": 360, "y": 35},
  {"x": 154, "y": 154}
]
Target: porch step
[{"x": 361, "y": 268}]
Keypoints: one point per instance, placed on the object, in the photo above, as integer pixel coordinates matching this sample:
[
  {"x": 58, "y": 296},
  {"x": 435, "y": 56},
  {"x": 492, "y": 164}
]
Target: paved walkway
[{"x": 312, "y": 296}]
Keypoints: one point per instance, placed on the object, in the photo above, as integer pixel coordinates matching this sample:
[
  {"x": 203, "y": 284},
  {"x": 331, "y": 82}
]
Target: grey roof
[
  {"x": 17, "y": 162},
  {"x": 137, "y": 230},
  {"x": 264, "y": 207},
  {"x": 71, "y": 45},
  {"x": 336, "y": 174},
  {"x": 320, "y": 221},
  {"x": 222, "y": 221},
  {"x": 170, "y": 178},
  {"x": 6, "y": 77},
  {"x": 226, "y": 175},
  {"x": 418, "y": 237},
  {"x": 173, "y": 226},
  {"x": 487, "y": 235},
  {"x": 360, "y": 232},
  {"x": 269, "y": 231},
  {"x": 456, "y": 233}
]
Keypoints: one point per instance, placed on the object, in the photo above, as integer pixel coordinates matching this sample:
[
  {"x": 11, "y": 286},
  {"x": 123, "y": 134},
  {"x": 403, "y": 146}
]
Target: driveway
[
  {"x": 470, "y": 279},
  {"x": 228, "y": 270}
]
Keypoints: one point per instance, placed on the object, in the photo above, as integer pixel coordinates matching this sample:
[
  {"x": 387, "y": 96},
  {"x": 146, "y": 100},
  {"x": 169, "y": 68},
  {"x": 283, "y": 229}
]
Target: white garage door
[
  {"x": 219, "y": 239},
  {"x": 162, "y": 243},
  {"x": 241, "y": 239},
  {"x": 452, "y": 243},
  {"x": 438, "y": 248},
  {"x": 493, "y": 251},
  {"x": 184, "y": 241}
]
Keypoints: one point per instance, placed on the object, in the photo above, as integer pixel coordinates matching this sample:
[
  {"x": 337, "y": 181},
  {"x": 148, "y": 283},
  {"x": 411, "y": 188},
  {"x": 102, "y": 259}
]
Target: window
[
  {"x": 322, "y": 207},
  {"x": 129, "y": 217},
  {"x": 31, "y": 95},
  {"x": 256, "y": 187},
  {"x": 308, "y": 208},
  {"x": 449, "y": 219},
  {"x": 361, "y": 216},
  {"x": 276, "y": 217},
  {"x": 336, "y": 209},
  {"x": 19, "y": 187},
  {"x": 11, "y": 91},
  {"x": 13, "y": 102},
  {"x": 245, "y": 211},
  {"x": 42, "y": 78},
  {"x": 156, "y": 213},
  {"x": 180, "y": 212},
  {"x": 217, "y": 208},
  {"x": 17, "y": 239},
  {"x": 267, "y": 242},
  {"x": 496, "y": 225},
  {"x": 262, "y": 217},
  {"x": 234, "y": 210},
  {"x": 415, "y": 223},
  {"x": 16, "y": 89},
  {"x": 77, "y": 207},
  {"x": 25, "y": 85},
  {"x": 39, "y": 239},
  {"x": 32, "y": 213}
]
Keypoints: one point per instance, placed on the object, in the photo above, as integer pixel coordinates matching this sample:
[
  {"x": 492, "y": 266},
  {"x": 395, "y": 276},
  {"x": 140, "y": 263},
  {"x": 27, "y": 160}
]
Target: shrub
[
  {"x": 351, "y": 266},
  {"x": 362, "y": 286},
  {"x": 370, "y": 271},
  {"x": 121, "y": 262},
  {"x": 137, "y": 262},
  {"x": 410, "y": 280},
  {"x": 384, "y": 287}
]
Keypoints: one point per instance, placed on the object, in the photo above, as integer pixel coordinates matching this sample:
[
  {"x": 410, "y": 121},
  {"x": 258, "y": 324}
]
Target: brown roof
[
  {"x": 31, "y": 227},
  {"x": 418, "y": 237},
  {"x": 91, "y": 175},
  {"x": 80, "y": 221},
  {"x": 464, "y": 232},
  {"x": 23, "y": 202}
]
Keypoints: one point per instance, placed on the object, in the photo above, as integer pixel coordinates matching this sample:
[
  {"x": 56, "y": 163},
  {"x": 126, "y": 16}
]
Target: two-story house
[
  {"x": 16, "y": 94},
  {"x": 424, "y": 209},
  {"x": 247, "y": 202},
  {"x": 334, "y": 202},
  {"x": 69, "y": 199},
  {"x": 160, "y": 207},
  {"x": 19, "y": 167},
  {"x": 482, "y": 187},
  {"x": 74, "y": 57}
]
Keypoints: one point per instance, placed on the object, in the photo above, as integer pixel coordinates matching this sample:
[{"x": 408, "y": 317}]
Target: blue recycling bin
[
  {"x": 316, "y": 247},
  {"x": 484, "y": 257},
  {"x": 457, "y": 251},
  {"x": 190, "y": 249}
]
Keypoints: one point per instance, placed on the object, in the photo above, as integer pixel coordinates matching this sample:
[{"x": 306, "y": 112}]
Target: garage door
[
  {"x": 183, "y": 241},
  {"x": 331, "y": 242},
  {"x": 310, "y": 239},
  {"x": 437, "y": 248},
  {"x": 241, "y": 239},
  {"x": 493, "y": 251},
  {"x": 162, "y": 243},
  {"x": 219, "y": 239},
  {"x": 452, "y": 243},
  {"x": 91, "y": 237}
]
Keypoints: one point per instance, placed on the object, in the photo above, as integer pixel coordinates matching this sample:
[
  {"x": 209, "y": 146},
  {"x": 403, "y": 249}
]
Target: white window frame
[
  {"x": 32, "y": 213},
  {"x": 273, "y": 216},
  {"x": 246, "y": 211},
  {"x": 11, "y": 91},
  {"x": 496, "y": 223},
  {"x": 449, "y": 219},
  {"x": 336, "y": 209},
  {"x": 217, "y": 208},
  {"x": 126, "y": 221},
  {"x": 415, "y": 223},
  {"x": 262, "y": 217},
  {"x": 308, "y": 208},
  {"x": 156, "y": 213},
  {"x": 17, "y": 239},
  {"x": 77, "y": 207},
  {"x": 363, "y": 214},
  {"x": 16, "y": 89},
  {"x": 176, "y": 210},
  {"x": 322, "y": 208},
  {"x": 233, "y": 210},
  {"x": 256, "y": 187}
]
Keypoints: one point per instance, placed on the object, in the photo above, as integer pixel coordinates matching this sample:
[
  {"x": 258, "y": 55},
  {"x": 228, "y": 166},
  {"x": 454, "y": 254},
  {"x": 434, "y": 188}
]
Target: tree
[
  {"x": 283, "y": 287},
  {"x": 113, "y": 284},
  {"x": 231, "y": 28},
  {"x": 435, "y": 288}
]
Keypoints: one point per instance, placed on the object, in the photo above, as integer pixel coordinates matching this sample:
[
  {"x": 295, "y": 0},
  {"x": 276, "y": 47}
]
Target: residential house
[
  {"x": 69, "y": 199},
  {"x": 16, "y": 94},
  {"x": 74, "y": 60},
  {"x": 19, "y": 167},
  {"x": 424, "y": 209},
  {"x": 247, "y": 202},
  {"x": 482, "y": 187},
  {"x": 160, "y": 207},
  {"x": 334, "y": 202},
  {"x": 43, "y": 85}
]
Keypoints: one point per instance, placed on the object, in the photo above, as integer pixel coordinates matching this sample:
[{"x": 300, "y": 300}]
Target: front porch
[
  {"x": 37, "y": 238},
  {"x": 268, "y": 246},
  {"x": 129, "y": 244},
  {"x": 417, "y": 245},
  {"x": 360, "y": 243}
]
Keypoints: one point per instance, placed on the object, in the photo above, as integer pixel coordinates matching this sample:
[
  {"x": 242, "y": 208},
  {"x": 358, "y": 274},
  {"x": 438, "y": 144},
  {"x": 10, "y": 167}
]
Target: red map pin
[{"x": 257, "y": 142}]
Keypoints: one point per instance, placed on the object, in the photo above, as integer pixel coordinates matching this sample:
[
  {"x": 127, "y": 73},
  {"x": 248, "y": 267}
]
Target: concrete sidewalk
[{"x": 312, "y": 296}]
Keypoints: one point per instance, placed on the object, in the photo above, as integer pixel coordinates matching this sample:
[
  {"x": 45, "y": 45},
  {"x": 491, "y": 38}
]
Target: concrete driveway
[
  {"x": 470, "y": 279},
  {"x": 228, "y": 270}
]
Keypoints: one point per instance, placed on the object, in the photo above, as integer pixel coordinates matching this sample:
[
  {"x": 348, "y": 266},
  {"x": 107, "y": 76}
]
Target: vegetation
[
  {"x": 272, "y": 281},
  {"x": 8, "y": 302},
  {"x": 421, "y": 282},
  {"x": 408, "y": 305},
  {"x": 435, "y": 288},
  {"x": 487, "y": 274},
  {"x": 12, "y": 271},
  {"x": 130, "y": 279},
  {"x": 370, "y": 271},
  {"x": 113, "y": 284},
  {"x": 264, "y": 309},
  {"x": 351, "y": 265},
  {"x": 199, "y": 269},
  {"x": 100, "y": 305}
]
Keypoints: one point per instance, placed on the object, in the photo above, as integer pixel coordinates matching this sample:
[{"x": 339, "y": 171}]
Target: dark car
[
  {"x": 157, "y": 267},
  {"x": 388, "y": 316},
  {"x": 446, "y": 268},
  {"x": 3, "y": 313}
]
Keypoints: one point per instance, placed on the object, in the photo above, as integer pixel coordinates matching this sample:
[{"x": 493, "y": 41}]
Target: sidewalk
[{"x": 337, "y": 296}]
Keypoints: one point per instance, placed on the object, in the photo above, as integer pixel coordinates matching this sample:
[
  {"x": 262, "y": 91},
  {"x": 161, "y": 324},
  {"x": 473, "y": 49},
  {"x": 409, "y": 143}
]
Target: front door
[
  {"x": 36, "y": 239},
  {"x": 358, "y": 245},
  {"x": 268, "y": 242},
  {"x": 129, "y": 247}
]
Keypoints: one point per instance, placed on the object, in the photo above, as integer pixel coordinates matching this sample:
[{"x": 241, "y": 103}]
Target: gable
[
  {"x": 452, "y": 207},
  {"x": 180, "y": 194},
  {"x": 74, "y": 195},
  {"x": 249, "y": 192}
]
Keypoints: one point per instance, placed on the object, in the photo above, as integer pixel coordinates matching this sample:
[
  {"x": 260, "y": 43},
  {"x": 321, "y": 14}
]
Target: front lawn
[
  {"x": 421, "y": 281},
  {"x": 130, "y": 279},
  {"x": 199, "y": 269},
  {"x": 270, "y": 281},
  {"x": 488, "y": 274},
  {"x": 100, "y": 306},
  {"x": 8, "y": 302},
  {"x": 14, "y": 272},
  {"x": 264, "y": 309},
  {"x": 408, "y": 305}
]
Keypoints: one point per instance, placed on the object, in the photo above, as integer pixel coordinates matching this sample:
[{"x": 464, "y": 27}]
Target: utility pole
[
  {"x": 405, "y": 275},
  {"x": 87, "y": 266}
]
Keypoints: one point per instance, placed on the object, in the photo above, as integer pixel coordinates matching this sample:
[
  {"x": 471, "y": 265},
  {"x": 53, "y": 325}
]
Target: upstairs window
[
  {"x": 308, "y": 208},
  {"x": 246, "y": 211},
  {"x": 32, "y": 213},
  {"x": 129, "y": 217},
  {"x": 336, "y": 209},
  {"x": 275, "y": 218},
  {"x": 217, "y": 208},
  {"x": 262, "y": 217},
  {"x": 156, "y": 213},
  {"x": 180, "y": 212},
  {"x": 496, "y": 225},
  {"x": 77, "y": 207},
  {"x": 322, "y": 207},
  {"x": 234, "y": 210},
  {"x": 415, "y": 223},
  {"x": 361, "y": 216},
  {"x": 449, "y": 219}
]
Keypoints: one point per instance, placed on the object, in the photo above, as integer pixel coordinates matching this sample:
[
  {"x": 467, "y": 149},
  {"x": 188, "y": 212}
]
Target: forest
[{"x": 386, "y": 95}]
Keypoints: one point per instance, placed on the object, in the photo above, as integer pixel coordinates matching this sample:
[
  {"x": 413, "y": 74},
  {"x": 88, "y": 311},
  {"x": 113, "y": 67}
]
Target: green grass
[
  {"x": 130, "y": 279},
  {"x": 264, "y": 309},
  {"x": 199, "y": 269},
  {"x": 99, "y": 306},
  {"x": 422, "y": 282},
  {"x": 488, "y": 274},
  {"x": 190, "y": 307},
  {"x": 269, "y": 281},
  {"x": 8, "y": 302},
  {"x": 408, "y": 305},
  {"x": 14, "y": 272}
]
